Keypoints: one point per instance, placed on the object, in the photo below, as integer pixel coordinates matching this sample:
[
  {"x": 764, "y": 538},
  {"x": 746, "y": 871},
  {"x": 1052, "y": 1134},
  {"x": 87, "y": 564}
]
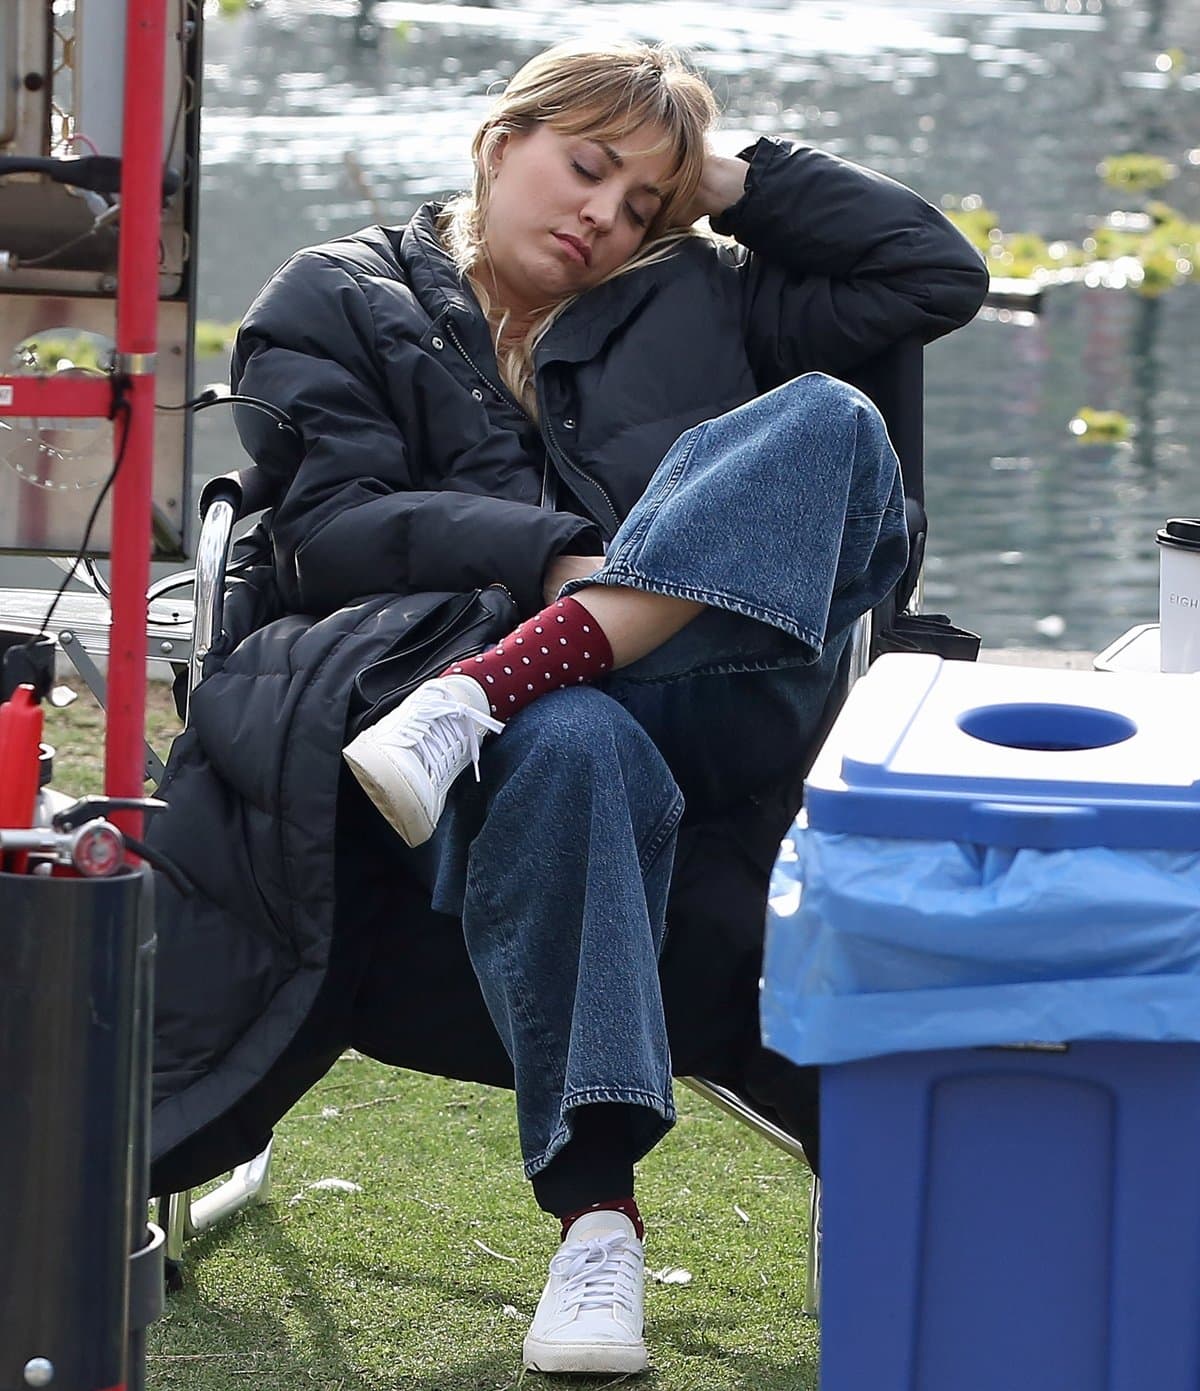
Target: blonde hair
[{"x": 606, "y": 92}]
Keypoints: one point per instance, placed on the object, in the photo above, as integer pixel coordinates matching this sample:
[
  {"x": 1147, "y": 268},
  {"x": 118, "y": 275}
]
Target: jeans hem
[
  {"x": 745, "y": 667},
  {"x": 621, "y": 576},
  {"x": 660, "y": 1105}
]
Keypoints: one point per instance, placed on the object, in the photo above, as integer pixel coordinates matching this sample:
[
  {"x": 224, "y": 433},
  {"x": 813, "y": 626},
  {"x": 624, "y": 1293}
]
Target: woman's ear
[{"x": 493, "y": 155}]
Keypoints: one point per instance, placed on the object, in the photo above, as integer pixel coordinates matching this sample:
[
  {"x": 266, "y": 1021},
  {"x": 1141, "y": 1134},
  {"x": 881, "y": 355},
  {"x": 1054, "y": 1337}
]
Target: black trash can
[{"x": 82, "y": 1272}]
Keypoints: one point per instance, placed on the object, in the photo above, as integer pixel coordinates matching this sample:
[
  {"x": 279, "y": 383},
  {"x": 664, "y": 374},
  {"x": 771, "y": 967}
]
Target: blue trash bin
[{"x": 990, "y": 942}]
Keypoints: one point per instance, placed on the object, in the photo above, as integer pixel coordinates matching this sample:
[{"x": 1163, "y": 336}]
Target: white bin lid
[{"x": 1011, "y": 755}]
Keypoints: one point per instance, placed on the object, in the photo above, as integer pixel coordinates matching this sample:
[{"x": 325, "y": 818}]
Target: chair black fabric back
[{"x": 895, "y": 380}]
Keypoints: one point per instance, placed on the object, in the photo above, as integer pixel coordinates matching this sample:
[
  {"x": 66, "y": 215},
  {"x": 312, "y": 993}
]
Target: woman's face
[{"x": 567, "y": 210}]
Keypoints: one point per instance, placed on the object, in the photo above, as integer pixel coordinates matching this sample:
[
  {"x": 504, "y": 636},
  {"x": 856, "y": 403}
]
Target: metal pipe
[
  {"x": 860, "y": 647},
  {"x": 140, "y": 1233},
  {"x": 174, "y": 1222},
  {"x": 137, "y": 329},
  {"x": 249, "y": 1183},
  {"x": 734, "y": 1105},
  {"x": 100, "y": 72},
  {"x": 212, "y": 551},
  {"x": 812, "y": 1273},
  {"x": 68, "y": 954}
]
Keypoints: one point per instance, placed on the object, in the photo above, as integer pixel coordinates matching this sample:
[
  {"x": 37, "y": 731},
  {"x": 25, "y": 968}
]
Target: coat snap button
[
  {"x": 568, "y": 422},
  {"x": 438, "y": 344},
  {"x": 478, "y": 395}
]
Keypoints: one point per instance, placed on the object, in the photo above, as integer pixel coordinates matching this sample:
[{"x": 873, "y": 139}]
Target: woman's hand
[
  {"x": 721, "y": 184},
  {"x": 567, "y": 567}
]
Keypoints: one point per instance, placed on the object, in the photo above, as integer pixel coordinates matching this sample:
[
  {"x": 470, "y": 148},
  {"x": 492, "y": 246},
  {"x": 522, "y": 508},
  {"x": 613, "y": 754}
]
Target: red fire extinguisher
[{"x": 20, "y": 743}]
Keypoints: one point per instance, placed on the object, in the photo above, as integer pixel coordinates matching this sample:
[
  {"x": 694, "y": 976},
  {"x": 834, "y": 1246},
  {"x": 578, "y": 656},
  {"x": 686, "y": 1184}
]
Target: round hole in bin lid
[{"x": 1050, "y": 728}]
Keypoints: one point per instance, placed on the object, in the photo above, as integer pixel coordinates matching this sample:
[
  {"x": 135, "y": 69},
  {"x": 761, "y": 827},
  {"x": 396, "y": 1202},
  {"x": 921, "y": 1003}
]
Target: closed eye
[{"x": 593, "y": 178}]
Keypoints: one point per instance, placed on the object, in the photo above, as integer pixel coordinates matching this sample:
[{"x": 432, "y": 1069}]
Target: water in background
[{"x": 1036, "y": 539}]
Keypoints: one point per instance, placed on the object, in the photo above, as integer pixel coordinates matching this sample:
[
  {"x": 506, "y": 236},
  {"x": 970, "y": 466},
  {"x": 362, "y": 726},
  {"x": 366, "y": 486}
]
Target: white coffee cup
[{"x": 1179, "y": 594}]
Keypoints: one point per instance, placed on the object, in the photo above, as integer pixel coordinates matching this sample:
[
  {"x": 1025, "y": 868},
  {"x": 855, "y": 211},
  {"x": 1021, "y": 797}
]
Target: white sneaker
[
  {"x": 589, "y": 1318},
  {"x": 407, "y": 762}
]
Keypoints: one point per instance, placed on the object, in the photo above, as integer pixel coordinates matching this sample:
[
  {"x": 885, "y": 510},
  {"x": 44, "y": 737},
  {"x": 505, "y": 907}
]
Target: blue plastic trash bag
[{"x": 878, "y": 946}]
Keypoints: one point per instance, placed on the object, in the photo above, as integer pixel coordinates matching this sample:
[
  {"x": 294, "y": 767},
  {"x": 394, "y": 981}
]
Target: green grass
[
  {"x": 390, "y": 1288},
  {"x": 76, "y": 734}
]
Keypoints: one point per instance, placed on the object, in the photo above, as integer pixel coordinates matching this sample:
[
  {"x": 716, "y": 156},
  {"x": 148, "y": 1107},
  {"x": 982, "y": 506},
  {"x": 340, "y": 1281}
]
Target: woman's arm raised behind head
[{"x": 842, "y": 262}]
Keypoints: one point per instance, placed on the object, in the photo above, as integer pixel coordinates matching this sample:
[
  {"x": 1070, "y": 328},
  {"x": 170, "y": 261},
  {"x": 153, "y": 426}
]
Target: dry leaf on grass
[
  {"x": 328, "y": 1185},
  {"x": 487, "y": 1250}
]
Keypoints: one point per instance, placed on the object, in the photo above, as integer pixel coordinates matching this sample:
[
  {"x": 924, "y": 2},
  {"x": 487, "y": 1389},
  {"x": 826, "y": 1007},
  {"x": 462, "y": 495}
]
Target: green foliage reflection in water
[
  {"x": 1147, "y": 250},
  {"x": 1136, "y": 173},
  {"x": 1091, "y": 426}
]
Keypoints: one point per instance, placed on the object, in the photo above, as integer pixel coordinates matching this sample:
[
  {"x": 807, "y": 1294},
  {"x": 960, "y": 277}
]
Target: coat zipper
[
  {"x": 483, "y": 377},
  {"x": 552, "y": 445},
  {"x": 561, "y": 457},
  {"x": 505, "y": 397}
]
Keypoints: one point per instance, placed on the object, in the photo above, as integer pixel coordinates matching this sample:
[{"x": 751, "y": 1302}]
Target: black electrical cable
[
  {"x": 206, "y": 399},
  {"x": 197, "y": 403},
  {"x": 96, "y": 173},
  {"x": 121, "y": 407},
  {"x": 184, "y": 886}
]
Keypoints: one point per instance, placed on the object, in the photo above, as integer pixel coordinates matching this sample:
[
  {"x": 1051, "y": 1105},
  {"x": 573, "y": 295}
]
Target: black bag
[
  {"x": 926, "y": 632},
  {"x": 442, "y": 628}
]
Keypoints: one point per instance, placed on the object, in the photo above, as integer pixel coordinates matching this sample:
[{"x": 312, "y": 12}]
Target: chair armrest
[
  {"x": 224, "y": 501},
  {"x": 247, "y": 490},
  {"x": 212, "y": 558}
]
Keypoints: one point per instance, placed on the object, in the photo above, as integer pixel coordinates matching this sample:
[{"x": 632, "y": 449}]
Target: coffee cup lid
[{"x": 1181, "y": 531}]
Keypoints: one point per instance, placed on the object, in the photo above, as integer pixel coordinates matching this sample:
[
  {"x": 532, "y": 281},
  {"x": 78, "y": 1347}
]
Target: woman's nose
[{"x": 601, "y": 208}]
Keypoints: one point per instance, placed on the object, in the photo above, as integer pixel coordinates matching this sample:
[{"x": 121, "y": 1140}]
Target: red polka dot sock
[
  {"x": 626, "y": 1205},
  {"x": 561, "y": 646}
]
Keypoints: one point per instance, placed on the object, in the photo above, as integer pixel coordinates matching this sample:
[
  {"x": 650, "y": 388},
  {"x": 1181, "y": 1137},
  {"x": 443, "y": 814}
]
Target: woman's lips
[{"x": 580, "y": 250}]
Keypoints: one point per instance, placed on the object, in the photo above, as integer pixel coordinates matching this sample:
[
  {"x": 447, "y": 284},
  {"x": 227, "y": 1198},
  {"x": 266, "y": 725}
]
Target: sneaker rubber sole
[
  {"x": 585, "y": 1359},
  {"x": 407, "y": 816}
]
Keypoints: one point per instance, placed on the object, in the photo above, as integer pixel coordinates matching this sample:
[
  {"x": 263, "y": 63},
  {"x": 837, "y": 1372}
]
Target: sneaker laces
[
  {"x": 598, "y": 1273},
  {"x": 436, "y": 728}
]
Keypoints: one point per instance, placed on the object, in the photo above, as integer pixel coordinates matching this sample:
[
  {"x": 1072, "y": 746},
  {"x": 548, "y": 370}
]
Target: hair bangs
[
  {"x": 655, "y": 97},
  {"x": 606, "y": 93}
]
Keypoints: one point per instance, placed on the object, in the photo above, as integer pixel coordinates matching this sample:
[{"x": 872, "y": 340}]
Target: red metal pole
[
  {"x": 72, "y": 397},
  {"x": 137, "y": 336}
]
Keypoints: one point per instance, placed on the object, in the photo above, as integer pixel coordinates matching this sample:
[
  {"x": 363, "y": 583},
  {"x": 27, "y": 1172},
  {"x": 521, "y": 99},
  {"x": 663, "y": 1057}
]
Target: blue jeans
[{"x": 785, "y": 518}]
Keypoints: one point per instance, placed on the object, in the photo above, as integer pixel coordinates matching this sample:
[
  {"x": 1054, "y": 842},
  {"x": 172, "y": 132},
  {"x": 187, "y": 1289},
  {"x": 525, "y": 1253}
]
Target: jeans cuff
[
  {"x": 621, "y": 575},
  {"x": 660, "y": 1109}
]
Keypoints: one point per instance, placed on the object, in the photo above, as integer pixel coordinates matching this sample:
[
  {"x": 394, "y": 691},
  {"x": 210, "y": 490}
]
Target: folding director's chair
[{"x": 894, "y": 381}]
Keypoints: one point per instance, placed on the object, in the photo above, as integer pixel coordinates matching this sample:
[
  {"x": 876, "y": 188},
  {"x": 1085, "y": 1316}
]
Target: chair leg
[
  {"x": 249, "y": 1183},
  {"x": 172, "y": 1218},
  {"x": 733, "y": 1105},
  {"x": 181, "y": 1216},
  {"x": 812, "y": 1275}
]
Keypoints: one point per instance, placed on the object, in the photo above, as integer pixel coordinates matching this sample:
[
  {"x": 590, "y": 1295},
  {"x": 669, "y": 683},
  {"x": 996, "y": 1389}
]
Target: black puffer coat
[{"x": 411, "y": 470}]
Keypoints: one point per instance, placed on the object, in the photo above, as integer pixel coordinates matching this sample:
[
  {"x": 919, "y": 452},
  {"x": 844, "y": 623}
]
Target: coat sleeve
[
  {"x": 836, "y": 262},
  {"x": 353, "y": 519}
]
